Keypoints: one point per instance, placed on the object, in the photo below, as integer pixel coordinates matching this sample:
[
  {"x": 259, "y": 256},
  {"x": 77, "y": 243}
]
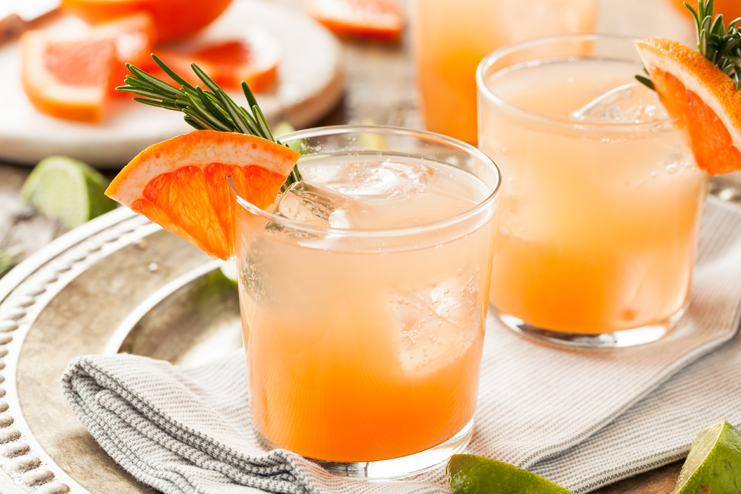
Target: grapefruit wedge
[
  {"x": 376, "y": 19},
  {"x": 253, "y": 59},
  {"x": 704, "y": 98},
  {"x": 67, "y": 78},
  {"x": 181, "y": 64},
  {"x": 181, "y": 184},
  {"x": 133, "y": 37}
]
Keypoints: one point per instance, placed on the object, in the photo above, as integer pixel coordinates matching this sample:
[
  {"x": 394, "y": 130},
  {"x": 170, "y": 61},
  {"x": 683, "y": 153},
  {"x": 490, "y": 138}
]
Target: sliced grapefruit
[
  {"x": 180, "y": 63},
  {"x": 67, "y": 78},
  {"x": 173, "y": 19},
  {"x": 376, "y": 19},
  {"x": 134, "y": 37},
  {"x": 694, "y": 90},
  {"x": 181, "y": 184},
  {"x": 253, "y": 59}
]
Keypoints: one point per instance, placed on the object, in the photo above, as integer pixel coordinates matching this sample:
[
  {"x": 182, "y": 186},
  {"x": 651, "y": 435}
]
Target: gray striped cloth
[{"x": 582, "y": 419}]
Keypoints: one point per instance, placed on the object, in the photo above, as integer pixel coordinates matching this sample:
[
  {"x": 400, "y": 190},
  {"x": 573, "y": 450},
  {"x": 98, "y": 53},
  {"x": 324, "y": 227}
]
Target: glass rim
[
  {"x": 494, "y": 56},
  {"x": 380, "y": 232}
]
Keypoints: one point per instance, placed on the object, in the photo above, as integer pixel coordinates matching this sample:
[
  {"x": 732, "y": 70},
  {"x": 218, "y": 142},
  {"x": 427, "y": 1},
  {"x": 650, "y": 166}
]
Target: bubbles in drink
[{"x": 630, "y": 103}]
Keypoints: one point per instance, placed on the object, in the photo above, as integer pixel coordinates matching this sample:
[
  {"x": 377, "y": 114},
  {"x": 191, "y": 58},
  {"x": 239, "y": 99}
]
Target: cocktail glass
[
  {"x": 364, "y": 297},
  {"x": 451, "y": 37},
  {"x": 601, "y": 202}
]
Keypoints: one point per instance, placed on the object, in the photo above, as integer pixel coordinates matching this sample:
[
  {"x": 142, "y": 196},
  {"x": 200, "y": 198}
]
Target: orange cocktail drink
[
  {"x": 601, "y": 199},
  {"x": 364, "y": 296},
  {"x": 450, "y": 38}
]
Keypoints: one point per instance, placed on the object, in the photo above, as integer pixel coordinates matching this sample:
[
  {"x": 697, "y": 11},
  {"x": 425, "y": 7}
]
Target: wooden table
[{"x": 379, "y": 89}]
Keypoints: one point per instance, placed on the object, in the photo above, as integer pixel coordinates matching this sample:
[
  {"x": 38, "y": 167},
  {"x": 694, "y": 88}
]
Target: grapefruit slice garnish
[
  {"x": 181, "y": 184},
  {"x": 702, "y": 96},
  {"x": 173, "y": 19},
  {"x": 376, "y": 19},
  {"x": 133, "y": 36},
  {"x": 67, "y": 78}
]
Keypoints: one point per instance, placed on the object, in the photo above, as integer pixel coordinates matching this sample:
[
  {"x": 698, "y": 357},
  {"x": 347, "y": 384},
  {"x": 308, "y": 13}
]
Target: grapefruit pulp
[{"x": 181, "y": 184}]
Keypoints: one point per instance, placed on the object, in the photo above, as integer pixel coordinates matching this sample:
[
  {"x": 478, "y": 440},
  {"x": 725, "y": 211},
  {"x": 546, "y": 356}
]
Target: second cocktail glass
[
  {"x": 364, "y": 294},
  {"x": 601, "y": 199},
  {"x": 451, "y": 37}
]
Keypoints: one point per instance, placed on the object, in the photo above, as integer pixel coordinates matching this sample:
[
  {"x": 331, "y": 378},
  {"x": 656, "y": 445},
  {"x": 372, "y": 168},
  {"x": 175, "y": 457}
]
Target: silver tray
[{"x": 118, "y": 283}]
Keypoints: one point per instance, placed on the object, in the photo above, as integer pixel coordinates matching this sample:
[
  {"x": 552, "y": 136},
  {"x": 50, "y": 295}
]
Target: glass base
[
  {"x": 617, "y": 339},
  {"x": 395, "y": 468}
]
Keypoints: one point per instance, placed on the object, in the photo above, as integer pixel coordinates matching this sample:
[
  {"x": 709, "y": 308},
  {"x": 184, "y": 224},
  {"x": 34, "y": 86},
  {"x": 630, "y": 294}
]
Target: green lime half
[
  {"x": 713, "y": 465},
  {"x": 67, "y": 190},
  {"x": 471, "y": 474}
]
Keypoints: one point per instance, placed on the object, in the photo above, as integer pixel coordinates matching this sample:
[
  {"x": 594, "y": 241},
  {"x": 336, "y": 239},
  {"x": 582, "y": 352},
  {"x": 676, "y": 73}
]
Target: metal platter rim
[{"x": 24, "y": 292}]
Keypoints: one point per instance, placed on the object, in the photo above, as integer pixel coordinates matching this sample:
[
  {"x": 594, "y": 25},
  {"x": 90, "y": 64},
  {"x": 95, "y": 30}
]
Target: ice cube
[
  {"x": 309, "y": 204},
  {"x": 315, "y": 205},
  {"x": 382, "y": 180},
  {"x": 437, "y": 323},
  {"x": 630, "y": 103}
]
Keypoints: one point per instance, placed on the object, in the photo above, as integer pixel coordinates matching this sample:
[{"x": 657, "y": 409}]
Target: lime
[
  {"x": 373, "y": 142},
  {"x": 471, "y": 474},
  {"x": 229, "y": 270},
  {"x": 7, "y": 258},
  {"x": 67, "y": 190},
  {"x": 713, "y": 465},
  {"x": 283, "y": 128}
]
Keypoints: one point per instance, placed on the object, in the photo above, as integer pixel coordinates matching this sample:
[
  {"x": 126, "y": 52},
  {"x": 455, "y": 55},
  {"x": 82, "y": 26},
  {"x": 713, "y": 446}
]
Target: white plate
[{"x": 309, "y": 85}]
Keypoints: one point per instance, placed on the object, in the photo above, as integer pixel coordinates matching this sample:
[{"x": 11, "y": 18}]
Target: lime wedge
[
  {"x": 471, "y": 474},
  {"x": 229, "y": 270},
  {"x": 67, "y": 190},
  {"x": 283, "y": 128},
  {"x": 714, "y": 462},
  {"x": 374, "y": 142},
  {"x": 7, "y": 258}
]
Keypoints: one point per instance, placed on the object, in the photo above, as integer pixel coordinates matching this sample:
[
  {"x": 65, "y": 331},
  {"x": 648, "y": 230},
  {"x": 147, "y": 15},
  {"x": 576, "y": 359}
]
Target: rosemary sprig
[
  {"x": 204, "y": 109},
  {"x": 646, "y": 81},
  {"x": 716, "y": 43}
]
